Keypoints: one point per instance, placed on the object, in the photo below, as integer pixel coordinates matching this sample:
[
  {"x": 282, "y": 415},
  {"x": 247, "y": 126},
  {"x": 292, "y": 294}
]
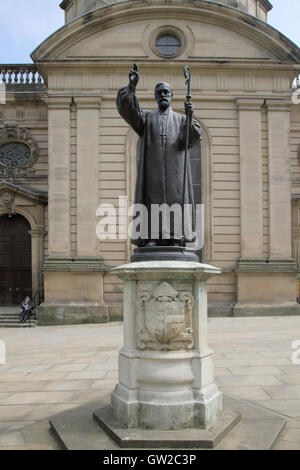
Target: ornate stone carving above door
[
  {"x": 18, "y": 151},
  {"x": 8, "y": 199}
]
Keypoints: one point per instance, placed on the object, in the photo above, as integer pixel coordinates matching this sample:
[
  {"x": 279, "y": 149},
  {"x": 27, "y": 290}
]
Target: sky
[{"x": 24, "y": 24}]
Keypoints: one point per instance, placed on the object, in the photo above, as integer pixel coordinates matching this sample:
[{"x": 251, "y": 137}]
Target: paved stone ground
[{"x": 53, "y": 369}]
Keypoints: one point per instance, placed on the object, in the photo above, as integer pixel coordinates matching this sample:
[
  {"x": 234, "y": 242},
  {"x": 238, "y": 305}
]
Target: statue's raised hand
[{"x": 134, "y": 76}]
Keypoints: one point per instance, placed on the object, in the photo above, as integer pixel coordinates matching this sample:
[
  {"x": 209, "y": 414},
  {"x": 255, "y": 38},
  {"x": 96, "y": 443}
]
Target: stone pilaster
[
  {"x": 59, "y": 177},
  {"x": 251, "y": 178},
  {"x": 279, "y": 179},
  {"x": 87, "y": 174},
  {"x": 37, "y": 244}
]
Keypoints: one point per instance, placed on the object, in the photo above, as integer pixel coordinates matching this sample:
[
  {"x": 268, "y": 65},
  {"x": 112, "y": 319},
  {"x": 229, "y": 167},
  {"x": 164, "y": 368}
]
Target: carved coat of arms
[{"x": 165, "y": 319}]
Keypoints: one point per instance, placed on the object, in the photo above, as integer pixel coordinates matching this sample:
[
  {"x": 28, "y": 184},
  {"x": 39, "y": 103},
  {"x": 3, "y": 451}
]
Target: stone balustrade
[{"x": 21, "y": 75}]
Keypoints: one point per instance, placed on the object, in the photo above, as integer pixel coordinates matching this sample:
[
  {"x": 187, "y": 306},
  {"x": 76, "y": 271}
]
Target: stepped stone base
[
  {"x": 10, "y": 318},
  {"x": 184, "y": 439},
  {"x": 253, "y": 428}
]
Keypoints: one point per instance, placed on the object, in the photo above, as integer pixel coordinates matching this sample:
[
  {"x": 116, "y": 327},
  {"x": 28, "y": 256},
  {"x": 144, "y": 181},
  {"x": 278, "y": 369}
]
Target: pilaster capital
[
  {"x": 59, "y": 102},
  {"x": 38, "y": 233},
  {"x": 249, "y": 104},
  {"x": 274, "y": 104},
  {"x": 87, "y": 102}
]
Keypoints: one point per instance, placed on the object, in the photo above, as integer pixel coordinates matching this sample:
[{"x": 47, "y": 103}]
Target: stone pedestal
[{"x": 165, "y": 367}]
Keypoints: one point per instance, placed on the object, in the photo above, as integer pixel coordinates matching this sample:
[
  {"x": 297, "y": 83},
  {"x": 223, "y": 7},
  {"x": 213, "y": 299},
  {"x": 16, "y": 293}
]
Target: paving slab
[
  {"x": 284, "y": 391},
  {"x": 291, "y": 379},
  {"x": 243, "y": 380},
  {"x": 287, "y": 407},
  {"x": 247, "y": 393},
  {"x": 69, "y": 385},
  {"x": 12, "y": 439},
  {"x": 266, "y": 370},
  {"x": 40, "y": 439}
]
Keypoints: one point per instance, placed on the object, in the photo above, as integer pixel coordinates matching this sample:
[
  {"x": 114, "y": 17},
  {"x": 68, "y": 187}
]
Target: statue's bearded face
[{"x": 163, "y": 95}]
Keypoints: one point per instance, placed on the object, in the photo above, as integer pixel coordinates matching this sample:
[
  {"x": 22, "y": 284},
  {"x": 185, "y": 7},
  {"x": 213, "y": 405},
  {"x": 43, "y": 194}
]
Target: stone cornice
[
  {"x": 64, "y": 4},
  {"x": 87, "y": 102},
  {"x": 259, "y": 265},
  {"x": 89, "y": 264},
  {"x": 266, "y": 4},
  {"x": 249, "y": 104},
  {"x": 106, "y": 64},
  {"x": 169, "y": 269},
  {"x": 274, "y": 104},
  {"x": 59, "y": 101}
]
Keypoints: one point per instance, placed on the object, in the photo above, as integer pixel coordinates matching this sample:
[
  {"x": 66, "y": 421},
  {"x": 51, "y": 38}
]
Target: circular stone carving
[
  {"x": 18, "y": 151},
  {"x": 14, "y": 154}
]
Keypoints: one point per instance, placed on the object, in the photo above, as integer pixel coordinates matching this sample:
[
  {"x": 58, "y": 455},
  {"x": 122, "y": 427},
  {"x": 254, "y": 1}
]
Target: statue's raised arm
[{"x": 128, "y": 105}]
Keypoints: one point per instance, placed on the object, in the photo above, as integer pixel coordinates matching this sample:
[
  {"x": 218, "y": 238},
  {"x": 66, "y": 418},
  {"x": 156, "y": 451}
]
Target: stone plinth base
[
  {"x": 266, "y": 288},
  {"x": 165, "y": 367},
  {"x": 72, "y": 314},
  {"x": 79, "y": 279},
  {"x": 183, "y": 439},
  {"x": 266, "y": 310}
]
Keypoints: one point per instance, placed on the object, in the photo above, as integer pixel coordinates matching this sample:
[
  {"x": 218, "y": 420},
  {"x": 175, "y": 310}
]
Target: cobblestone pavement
[{"x": 49, "y": 370}]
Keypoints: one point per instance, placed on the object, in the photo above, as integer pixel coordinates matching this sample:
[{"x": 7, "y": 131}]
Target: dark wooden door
[{"x": 15, "y": 260}]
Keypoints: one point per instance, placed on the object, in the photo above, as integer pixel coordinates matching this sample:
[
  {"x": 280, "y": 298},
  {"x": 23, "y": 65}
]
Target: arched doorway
[{"x": 15, "y": 260}]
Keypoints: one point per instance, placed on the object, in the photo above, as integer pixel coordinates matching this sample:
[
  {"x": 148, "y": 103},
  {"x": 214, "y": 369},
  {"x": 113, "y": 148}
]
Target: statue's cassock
[{"x": 160, "y": 156}]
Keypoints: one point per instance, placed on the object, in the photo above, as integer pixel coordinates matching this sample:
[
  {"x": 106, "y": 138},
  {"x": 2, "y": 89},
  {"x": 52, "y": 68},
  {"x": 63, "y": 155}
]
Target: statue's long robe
[{"x": 160, "y": 161}]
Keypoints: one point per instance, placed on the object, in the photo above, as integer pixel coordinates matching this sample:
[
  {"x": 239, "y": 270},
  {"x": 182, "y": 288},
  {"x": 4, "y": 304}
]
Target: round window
[
  {"x": 13, "y": 154},
  {"x": 168, "y": 44}
]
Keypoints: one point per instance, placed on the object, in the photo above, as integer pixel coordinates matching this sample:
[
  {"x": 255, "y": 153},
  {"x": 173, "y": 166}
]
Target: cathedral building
[{"x": 65, "y": 150}]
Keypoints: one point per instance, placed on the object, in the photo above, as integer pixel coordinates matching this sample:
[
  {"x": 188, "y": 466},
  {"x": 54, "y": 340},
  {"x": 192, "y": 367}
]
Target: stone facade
[{"x": 242, "y": 76}]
